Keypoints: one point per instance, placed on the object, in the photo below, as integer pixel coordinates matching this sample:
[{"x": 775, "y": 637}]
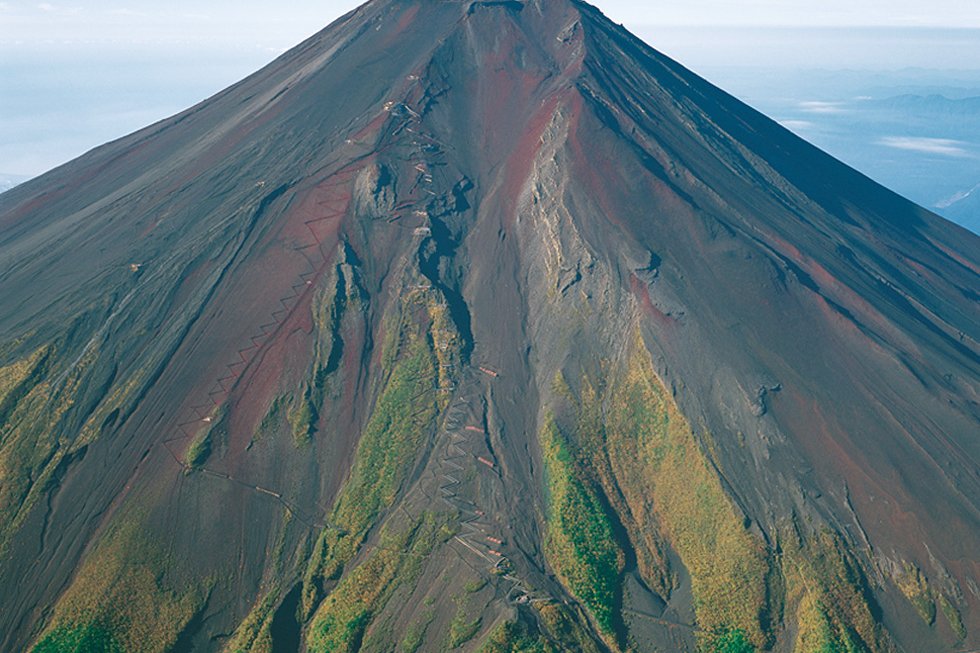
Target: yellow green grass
[
  {"x": 551, "y": 631},
  {"x": 913, "y": 585},
  {"x": 91, "y": 637},
  {"x": 632, "y": 438},
  {"x": 580, "y": 544},
  {"x": 952, "y": 615},
  {"x": 340, "y": 622},
  {"x": 402, "y": 417},
  {"x": 461, "y": 629},
  {"x": 415, "y": 633},
  {"x": 254, "y": 634},
  {"x": 515, "y": 637},
  {"x": 15, "y": 379},
  {"x": 419, "y": 341},
  {"x": 446, "y": 344},
  {"x": 832, "y": 615},
  {"x": 303, "y": 417},
  {"x": 638, "y": 445},
  {"x": 668, "y": 479},
  {"x": 118, "y": 601},
  {"x": 31, "y": 445},
  {"x": 202, "y": 445}
]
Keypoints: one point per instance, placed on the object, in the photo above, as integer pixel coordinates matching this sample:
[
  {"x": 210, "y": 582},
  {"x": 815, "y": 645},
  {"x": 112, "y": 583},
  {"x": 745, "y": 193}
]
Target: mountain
[
  {"x": 9, "y": 181},
  {"x": 483, "y": 325},
  {"x": 964, "y": 206},
  {"x": 935, "y": 105}
]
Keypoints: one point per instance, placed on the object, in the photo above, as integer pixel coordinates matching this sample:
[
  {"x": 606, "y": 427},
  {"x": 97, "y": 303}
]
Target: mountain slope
[{"x": 483, "y": 325}]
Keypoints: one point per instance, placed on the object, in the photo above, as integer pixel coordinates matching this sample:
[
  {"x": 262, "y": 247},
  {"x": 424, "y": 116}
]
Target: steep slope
[{"x": 483, "y": 325}]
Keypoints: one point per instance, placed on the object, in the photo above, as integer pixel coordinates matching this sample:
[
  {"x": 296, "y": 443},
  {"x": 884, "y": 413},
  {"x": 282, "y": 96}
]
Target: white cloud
[
  {"x": 797, "y": 125},
  {"x": 956, "y": 197},
  {"x": 940, "y": 146},
  {"x": 814, "y": 106}
]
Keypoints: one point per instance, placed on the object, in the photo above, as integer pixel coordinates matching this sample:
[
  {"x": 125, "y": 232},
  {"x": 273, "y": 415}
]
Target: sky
[
  {"x": 272, "y": 25},
  {"x": 76, "y": 73}
]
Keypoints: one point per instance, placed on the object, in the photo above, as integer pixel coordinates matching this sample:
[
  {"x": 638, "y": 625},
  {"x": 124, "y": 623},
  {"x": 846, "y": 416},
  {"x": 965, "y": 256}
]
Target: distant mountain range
[
  {"x": 931, "y": 105},
  {"x": 925, "y": 146}
]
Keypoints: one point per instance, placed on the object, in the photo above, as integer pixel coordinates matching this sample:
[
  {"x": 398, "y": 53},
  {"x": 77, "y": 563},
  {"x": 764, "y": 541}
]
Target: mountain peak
[{"x": 483, "y": 325}]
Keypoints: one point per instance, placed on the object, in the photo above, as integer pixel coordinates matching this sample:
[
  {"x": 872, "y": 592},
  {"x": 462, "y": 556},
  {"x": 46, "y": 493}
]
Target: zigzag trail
[
  {"x": 202, "y": 413},
  {"x": 336, "y": 205},
  {"x": 475, "y": 534}
]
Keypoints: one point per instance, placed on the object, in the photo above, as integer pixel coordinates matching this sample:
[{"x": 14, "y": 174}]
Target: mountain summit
[{"x": 483, "y": 326}]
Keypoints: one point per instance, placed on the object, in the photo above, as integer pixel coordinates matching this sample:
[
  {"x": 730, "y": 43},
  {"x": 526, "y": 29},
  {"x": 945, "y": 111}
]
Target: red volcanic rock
[{"x": 726, "y": 387}]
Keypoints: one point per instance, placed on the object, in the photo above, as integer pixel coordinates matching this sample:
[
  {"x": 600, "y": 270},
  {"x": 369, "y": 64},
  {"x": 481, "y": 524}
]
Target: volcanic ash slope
[{"x": 483, "y": 326}]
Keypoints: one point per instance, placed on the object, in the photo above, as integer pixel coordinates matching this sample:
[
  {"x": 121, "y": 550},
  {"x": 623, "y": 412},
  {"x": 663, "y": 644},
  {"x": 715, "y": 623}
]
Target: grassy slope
[
  {"x": 666, "y": 476},
  {"x": 120, "y": 601},
  {"x": 403, "y": 414},
  {"x": 580, "y": 543},
  {"x": 630, "y": 443},
  {"x": 415, "y": 363},
  {"x": 341, "y": 620}
]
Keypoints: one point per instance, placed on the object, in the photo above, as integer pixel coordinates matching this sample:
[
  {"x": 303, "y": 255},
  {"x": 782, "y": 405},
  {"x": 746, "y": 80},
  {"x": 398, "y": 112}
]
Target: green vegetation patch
[
  {"x": 342, "y": 619},
  {"x": 817, "y": 633},
  {"x": 254, "y": 634},
  {"x": 303, "y": 417},
  {"x": 417, "y": 345},
  {"x": 200, "y": 450},
  {"x": 402, "y": 417},
  {"x": 516, "y": 637},
  {"x": 446, "y": 344},
  {"x": 631, "y": 438},
  {"x": 462, "y": 629},
  {"x": 202, "y": 445},
  {"x": 952, "y": 616},
  {"x": 32, "y": 446},
  {"x": 415, "y": 633},
  {"x": 553, "y": 631},
  {"x": 914, "y": 586},
  {"x": 729, "y": 640},
  {"x": 671, "y": 487},
  {"x": 580, "y": 544},
  {"x": 118, "y": 600},
  {"x": 17, "y": 379},
  {"x": 832, "y": 614},
  {"x": 92, "y": 637}
]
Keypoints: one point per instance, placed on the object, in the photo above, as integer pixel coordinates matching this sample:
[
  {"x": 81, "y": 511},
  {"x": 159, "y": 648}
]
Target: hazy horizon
[
  {"x": 60, "y": 99},
  {"x": 73, "y": 78}
]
